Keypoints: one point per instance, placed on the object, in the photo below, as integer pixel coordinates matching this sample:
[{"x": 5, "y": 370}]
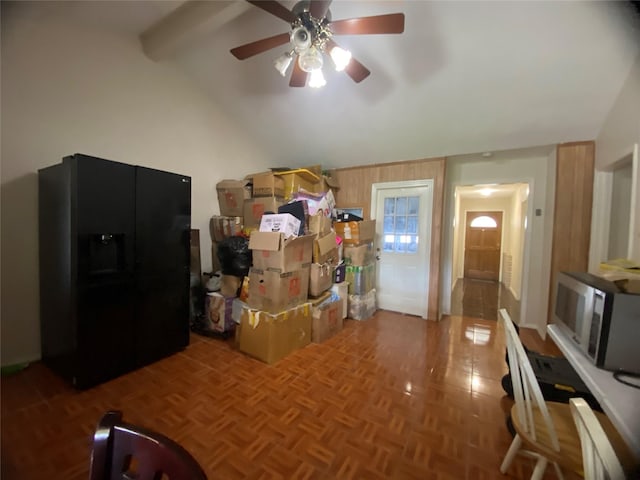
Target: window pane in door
[
  {"x": 388, "y": 224},
  {"x": 388, "y": 244},
  {"x": 389, "y": 206},
  {"x": 401, "y": 205},
  {"x": 401, "y": 245},
  {"x": 412, "y": 224},
  {"x": 414, "y": 203},
  {"x": 401, "y": 224}
]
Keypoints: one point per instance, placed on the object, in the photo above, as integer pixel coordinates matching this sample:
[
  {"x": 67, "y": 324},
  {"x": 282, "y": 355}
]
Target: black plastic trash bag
[{"x": 235, "y": 256}]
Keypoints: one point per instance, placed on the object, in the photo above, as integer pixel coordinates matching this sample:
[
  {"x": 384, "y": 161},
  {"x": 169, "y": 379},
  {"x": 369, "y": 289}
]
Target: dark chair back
[{"x": 123, "y": 451}]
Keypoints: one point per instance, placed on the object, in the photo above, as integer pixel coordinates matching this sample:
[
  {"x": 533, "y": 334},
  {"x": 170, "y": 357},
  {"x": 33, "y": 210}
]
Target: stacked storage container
[{"x": 360, "y": 269}]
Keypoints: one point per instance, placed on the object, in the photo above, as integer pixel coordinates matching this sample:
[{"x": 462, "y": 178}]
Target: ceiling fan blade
[
  {"x": 250, "y": 49},
  {"x": 298, "y": 76},
  {"x": 354, "y": 68},
  {"x": 318, "y": 8},
  {"x": 274, "y": 8},
  {"x": 391, "y": 23}
]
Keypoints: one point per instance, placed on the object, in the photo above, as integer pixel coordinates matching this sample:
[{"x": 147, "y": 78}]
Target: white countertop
[{"x": 620, "y": 402}]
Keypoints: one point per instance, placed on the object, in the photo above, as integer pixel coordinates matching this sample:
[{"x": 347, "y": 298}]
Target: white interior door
[{"x": 403, "y": 241}]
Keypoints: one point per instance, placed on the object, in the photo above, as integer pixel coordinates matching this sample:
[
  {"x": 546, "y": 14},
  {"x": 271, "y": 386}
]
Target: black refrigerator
[{"x": 114, "y": 267}]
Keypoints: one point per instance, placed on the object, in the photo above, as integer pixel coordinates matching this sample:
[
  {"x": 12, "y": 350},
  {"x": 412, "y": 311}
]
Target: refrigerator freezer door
[{"x": 163, "y": 226}]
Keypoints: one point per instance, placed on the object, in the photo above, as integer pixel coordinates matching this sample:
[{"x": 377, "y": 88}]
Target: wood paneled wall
[
  {"x": 355, "y": 191},
  {"x": 572, "y": 213}
]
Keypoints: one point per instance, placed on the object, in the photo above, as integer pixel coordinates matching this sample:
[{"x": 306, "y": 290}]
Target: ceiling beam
[{"x": 190, "y": 20}]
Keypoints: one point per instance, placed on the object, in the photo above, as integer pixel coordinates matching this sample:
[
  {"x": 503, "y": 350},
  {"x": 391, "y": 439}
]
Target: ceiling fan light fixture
[
  {"x": 301, "y": 39},
  {"x": 316, "y": 79},
  {"x": 311, "y": 60},
  {"x": 340, "y": 57},
  {"x": 282, "y": 63}
]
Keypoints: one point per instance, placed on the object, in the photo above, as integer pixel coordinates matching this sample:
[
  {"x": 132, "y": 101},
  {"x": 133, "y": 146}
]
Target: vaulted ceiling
[{"x": 464, "y": 77}]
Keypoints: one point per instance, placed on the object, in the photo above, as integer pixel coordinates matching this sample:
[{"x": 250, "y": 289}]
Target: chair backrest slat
[
  {"x": 599, "y": 458},
  {"x": 527, "y": 393}
]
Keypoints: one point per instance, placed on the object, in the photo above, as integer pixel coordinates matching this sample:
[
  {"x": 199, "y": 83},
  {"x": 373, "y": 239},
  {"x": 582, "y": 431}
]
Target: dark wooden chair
[{"x": 124, "y": 452}]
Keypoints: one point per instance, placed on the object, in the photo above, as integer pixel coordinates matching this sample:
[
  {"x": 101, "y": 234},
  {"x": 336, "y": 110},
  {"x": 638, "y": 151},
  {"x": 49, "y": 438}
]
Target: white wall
[
  {"x": 619, "y": 136},
  {"x": 66, "y": 90},
  {"x": 470, "y": 170},
  {"x": 520, "y": 213}
]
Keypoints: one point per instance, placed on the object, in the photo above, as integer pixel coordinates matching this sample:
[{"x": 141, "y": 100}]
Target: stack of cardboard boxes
[
  {"x": 290, "y": 297},
  {"x": 360, "y": 266}
]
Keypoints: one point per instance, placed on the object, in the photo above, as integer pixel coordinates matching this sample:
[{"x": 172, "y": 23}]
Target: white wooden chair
[
  {"x": 544, "y": 430},
  {"x": 599, "y": 458}
]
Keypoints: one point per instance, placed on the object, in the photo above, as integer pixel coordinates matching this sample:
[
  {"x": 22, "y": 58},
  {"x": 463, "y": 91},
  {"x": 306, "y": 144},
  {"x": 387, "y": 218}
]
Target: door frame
[
  {"x": 451, "y": 222},
  {"x": 427, "y": 182}
]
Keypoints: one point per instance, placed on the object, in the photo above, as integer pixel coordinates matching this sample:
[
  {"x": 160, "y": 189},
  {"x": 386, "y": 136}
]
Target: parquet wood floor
[
  {"x": 392, "y": 397},
  {"x": 483, "y": 299}
]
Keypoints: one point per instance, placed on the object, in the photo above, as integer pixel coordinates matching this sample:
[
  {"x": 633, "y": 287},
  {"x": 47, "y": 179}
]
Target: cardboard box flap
[
  {"x": 319, "y": 224},
  {"x": 265, "y": 241},
  {"x": 228, "y": 184},
  {"x": 331, "y": 182},
  {"x": 326, "y": 243},
  {"x": 303, "y": 172}
]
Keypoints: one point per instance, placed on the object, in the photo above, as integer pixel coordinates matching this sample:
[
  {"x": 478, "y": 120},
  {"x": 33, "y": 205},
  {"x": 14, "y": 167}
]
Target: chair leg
[
  {"x": 541, "y": 466},
  {"x": 558, "y": 471},
  {"x": 511, "y": 453}
]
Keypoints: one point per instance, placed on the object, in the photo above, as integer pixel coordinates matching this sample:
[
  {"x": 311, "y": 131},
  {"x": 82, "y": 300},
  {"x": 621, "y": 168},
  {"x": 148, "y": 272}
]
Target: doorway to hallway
[{"x": 482, "y": 299}]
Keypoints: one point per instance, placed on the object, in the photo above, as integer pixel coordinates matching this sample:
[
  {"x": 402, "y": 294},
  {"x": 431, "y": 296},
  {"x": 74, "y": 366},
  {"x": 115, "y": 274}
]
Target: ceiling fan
[{"x": 311, "y": 36}]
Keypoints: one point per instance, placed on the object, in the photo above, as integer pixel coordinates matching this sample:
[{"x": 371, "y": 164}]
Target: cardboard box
[
  {"x": 327, "y": 183},
  {"x": 272, "y": 251},
  {"x": 355, "y": 233},
  {"x": 359, "y": 255},
  {"x": 319, "y": 224},
  {"x": 280, "y": 222},
  {"x": 274, "y": 291},
  {"x": 323, "y": 203},
  {"x": 254, "y": 208},
  {"x": 229, "y": 285},
  {"x": 325, "y": 249},
  {"x": 320, "y": 278},
  {"x": 294, "y": 180},
  {"x": 266, "y": 184},
  {"x": 299, "y": 210},
  {"x": 327, "y": 319},
  {"x": 342, "y": 291},
  {"x": 218, "y": 313},
  {"x": 271, "y": 337},
  {"x": 221, "y": 227},
  {"x": 231, "y": 196}
]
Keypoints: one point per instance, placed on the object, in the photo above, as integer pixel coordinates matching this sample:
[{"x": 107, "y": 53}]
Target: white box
[
  {"x": 342, "y": 290},
  {"x": 280, "y": 222}
]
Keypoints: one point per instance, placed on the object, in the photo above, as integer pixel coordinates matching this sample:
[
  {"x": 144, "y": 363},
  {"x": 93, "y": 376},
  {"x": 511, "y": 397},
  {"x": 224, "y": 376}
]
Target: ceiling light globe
[
  {"x": 340, "y": 57},
  {"x": 301, "y": 39},
  {"x": 311, "y": 60},
  {"x": 282, "y": 63},
  {"x": 317, "y": 79}
]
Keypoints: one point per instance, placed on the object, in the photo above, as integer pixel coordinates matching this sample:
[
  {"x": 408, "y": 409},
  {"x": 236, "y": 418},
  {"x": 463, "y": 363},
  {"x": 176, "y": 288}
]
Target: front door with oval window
[{"x": 483, "y": 236}]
